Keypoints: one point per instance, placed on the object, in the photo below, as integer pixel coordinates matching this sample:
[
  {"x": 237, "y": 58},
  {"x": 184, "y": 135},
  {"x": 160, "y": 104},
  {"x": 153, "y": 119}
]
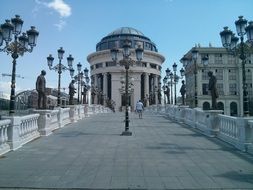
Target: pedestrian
[{"x": 139, "y": 108}]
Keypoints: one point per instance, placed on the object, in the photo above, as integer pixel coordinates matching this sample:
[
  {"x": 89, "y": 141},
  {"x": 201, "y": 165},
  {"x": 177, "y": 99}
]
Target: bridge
[{"x": 80, "y": 147}]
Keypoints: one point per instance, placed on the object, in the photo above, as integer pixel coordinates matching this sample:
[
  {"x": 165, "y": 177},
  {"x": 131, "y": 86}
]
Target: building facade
[
  {"x": 107, "y": 77},
  {"x": 227, "y": 68}
]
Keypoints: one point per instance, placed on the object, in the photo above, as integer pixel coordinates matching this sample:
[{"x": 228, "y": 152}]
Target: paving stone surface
[{"x": 91, "y": 154}]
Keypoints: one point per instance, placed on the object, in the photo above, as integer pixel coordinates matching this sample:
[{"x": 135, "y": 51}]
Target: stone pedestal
[
  {"x": 212, "y": 120},
  {"x": 44, "y": 122}
]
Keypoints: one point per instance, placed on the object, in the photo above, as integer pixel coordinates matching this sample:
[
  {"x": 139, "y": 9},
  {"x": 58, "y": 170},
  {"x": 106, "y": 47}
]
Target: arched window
[
  {"x": 206, "y": 106},
  {"x": 220, "y": 106},
  {"x": 233, "y": 109}
]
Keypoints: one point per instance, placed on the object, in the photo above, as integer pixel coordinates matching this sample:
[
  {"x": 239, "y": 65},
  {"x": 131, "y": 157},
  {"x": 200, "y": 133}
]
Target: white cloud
[
  {"x": 5, "y": 89},
  {"x": 60, "y": 25},
  {"x": 61, "y": 7}
]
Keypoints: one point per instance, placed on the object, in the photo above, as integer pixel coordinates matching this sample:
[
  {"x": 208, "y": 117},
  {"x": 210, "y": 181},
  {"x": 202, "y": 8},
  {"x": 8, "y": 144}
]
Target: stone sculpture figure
[
  {"x": 72, "y": 91},
  {"x": 183, "y": 91},
  {"x": 213, "y": 89},
  {"x": 41, "y": 89}
]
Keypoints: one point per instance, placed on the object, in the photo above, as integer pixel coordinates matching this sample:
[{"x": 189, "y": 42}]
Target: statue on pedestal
[
  {"x": 213, "y": 89},
  {"x": 72, "y": 91},
  {"x": 183, "y": 91},
  {"x": 41, "y": 89}
]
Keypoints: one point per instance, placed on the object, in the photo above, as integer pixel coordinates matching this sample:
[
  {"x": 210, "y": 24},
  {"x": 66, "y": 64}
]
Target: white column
[
  {"x": 95, "y": 86},
  {"x": 105, "y": 86},
  {"x": 156, "y": 85},
  {"x": 146, "y": 87}
]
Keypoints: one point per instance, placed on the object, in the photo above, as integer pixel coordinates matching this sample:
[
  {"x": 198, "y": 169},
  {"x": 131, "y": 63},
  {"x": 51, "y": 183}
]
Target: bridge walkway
[{"x": 161, "y": 154}]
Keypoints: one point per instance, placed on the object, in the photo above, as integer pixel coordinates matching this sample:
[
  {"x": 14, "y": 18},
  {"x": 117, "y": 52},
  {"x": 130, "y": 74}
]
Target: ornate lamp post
[
  {"x": 127, "y": 61},
  {"x": 166, "y": 90},
  {"x": 86, "y": 86},
  {"x": 59, "y": 68},
  {"x": 169, "y": 75},
  {"x": 175, "y": 82},
  {"x": 229, "y": 41},
  {"x": 21, "y": 44},
  {"x": 194, "y": 58},
  {"x": 174, "y": 78}
]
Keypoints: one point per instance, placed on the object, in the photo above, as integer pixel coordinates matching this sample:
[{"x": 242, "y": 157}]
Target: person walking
[{"x": 139, "y": 108}]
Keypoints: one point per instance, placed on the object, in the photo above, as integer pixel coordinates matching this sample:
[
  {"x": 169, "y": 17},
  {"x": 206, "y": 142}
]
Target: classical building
[
  {"x": 228, "y": 70},
  {"x": 107, "y": 77}
]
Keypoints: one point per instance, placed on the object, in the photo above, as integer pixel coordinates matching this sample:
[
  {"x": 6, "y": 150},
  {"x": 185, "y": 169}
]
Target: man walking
[{"x": 139, "y": 108}]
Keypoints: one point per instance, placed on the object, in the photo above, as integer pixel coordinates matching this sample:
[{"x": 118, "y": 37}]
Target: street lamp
[
  {"x": 59, "y": 68},
  {"x": 174, "y": 78},
  {"x": 229, "y": 41},
  {"x": 126, "y": 61},
  {"x": 86, "y": 86},
  {"x": 175, "y": 82},
  {"x": 169, "y": 75},
  {"x": 19, "y": 46},
  {"x": 166, "y": 90},
  {"x": 194, "y": 58}
]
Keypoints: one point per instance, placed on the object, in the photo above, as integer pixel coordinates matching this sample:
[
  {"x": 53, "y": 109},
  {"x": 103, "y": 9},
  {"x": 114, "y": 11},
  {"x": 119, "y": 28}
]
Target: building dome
[
  {"x": 120, "y": 34},
  {"x": 126, "y": 30}
]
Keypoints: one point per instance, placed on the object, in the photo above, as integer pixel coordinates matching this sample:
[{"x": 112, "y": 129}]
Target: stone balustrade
[
  {"x": 237, "y": 131},
  {"x": 4, "y": 126},
  {"x": 22, "y": 130},
  {"x": 15, "y": 131}
]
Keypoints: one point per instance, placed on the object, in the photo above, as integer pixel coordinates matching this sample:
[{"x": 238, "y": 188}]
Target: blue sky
[{"x": 78, "y": 25}]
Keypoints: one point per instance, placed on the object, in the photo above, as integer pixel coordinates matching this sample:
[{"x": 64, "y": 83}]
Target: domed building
[{"x": 108, "y": 77}]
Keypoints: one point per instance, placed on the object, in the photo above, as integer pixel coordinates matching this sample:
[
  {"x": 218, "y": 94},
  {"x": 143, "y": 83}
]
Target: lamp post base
[{"x": 126, "y": 133}]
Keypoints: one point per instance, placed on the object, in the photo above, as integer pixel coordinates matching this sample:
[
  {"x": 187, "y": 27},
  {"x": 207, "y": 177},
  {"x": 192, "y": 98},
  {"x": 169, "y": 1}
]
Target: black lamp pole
[
  {"x": 175, "y": 82},
  {"x": 194, "y": 58},
  {"x": 59, "y": 68},
  {"x": 19, "y": 46},
  {"x": 229, "y": 41},
  {"x": 127, "y": 61}
]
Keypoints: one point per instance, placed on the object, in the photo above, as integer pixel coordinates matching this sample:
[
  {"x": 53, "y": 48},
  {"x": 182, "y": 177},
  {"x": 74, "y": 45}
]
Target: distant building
[
  {"x": 228, "y": 70},
  {"x": 107, "y": 77}
]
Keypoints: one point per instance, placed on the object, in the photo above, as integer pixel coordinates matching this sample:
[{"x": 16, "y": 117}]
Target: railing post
[
  {"x": 13, "y": 134},
  {"x": 245, "y": 134}
]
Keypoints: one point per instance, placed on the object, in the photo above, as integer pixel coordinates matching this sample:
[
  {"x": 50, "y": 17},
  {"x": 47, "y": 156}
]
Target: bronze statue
[
  {"x": 213, "y": 89},
  {"x": 41, "y": 89},
  {"x": 72, "y": 91},
  {"x": 167, "y": 92},
  {"x": 183, "y": 91}
]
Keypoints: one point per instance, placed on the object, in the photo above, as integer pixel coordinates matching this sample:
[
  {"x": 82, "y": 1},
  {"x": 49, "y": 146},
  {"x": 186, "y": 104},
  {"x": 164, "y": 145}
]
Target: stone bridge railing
[
  {"x": 15, "y": 131},
  {"x": 237, "y": 131}
]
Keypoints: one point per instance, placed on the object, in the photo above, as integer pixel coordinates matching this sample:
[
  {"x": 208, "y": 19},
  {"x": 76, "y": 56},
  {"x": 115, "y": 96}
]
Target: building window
[
  {"x": 220, "y": 106},
  {"x": 219, "y": 74},
  {"x": 99, "y": 65},
  {"x": 206, "y": 106},
  {"x": 91, "y": 67},
  {"x": 205, "y": 89},
  {"x": 147, "y": 46},
  {"x": 231, "y": 59},
  {"x": 218, "y": 58},
  {"x": 232, "y": 89},
  {"x": 110, "y": 64},
  {"x": 153, "y": 66},
  {"x": 220, "y": 89},
  {"x": 233, "y": 109},
  {"x": 204, "y": 74},
  {"x": 232, "y": 74}
]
